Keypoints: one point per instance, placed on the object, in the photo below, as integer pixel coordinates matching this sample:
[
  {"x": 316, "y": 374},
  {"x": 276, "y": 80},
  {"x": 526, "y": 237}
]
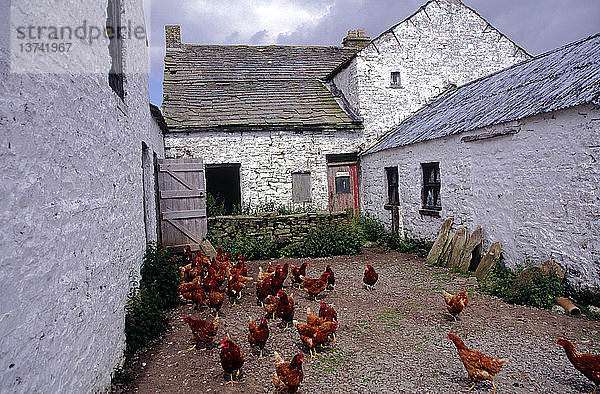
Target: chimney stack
[
  {"x": 356, "y": 39},
  {"x": 173, "y": 37}
]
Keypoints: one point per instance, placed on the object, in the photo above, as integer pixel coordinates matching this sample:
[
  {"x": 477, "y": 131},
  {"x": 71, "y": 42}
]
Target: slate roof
[
  {"x": 562, "y": 78},
  {"x": 215, "y": 86}
]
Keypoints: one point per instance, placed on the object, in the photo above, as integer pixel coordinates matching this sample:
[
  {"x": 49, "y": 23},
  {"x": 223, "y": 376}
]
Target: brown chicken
[
  {"x": 235, "y": 284},
  {"x": 263, "y": 286},
  {"x": 297, "y": 272},
  {"x": 455, "y": 303},
  {"x": 331, "y": 280},
  {"x": 478, "y": 365},
  {"x": 187, "y": 255},
  {"x": 278, "y": 278},
  {"x": 270, "y": 305},
  {"x": 312, "y": 319},
  {"x": 285, "y": 308},
  {"x": 239, "y": 267},
  {"x": 586, "y": 363},
  {"x": 232, "y": 359},
  {"x": 370, "y": 277},
  {"x": 327, "y": 312},
  {"x": 258, "y": 334},
  {"x": 220, "y": 257},
  {"x": 202, "y": 330},
  {"x": 314, "y": 337},
  {"x": 193, "y": 292},
  {"x": 215, "y": 298},
  {"x": 315, "y": 286},
  {"x": 288, "y": 376}
]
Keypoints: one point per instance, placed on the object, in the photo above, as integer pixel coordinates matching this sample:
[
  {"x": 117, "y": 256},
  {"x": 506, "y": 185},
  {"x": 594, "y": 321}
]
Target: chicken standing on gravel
[
  {"x": 370, "y": 277},
  {"x": 586, "y": 363},
  {"x": 202, "y": 330},
  {"x": 288, "y": 376},
  {"x": 232, "y": 359},
  {"x": 258, "y": 334},
  {"x": 478, "y": 365},
  {"x": 455, "y": 303}
]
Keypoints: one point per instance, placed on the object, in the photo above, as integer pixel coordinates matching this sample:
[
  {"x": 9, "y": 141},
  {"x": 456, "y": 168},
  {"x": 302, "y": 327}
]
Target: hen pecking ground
[{"x": 392, "y": 339}]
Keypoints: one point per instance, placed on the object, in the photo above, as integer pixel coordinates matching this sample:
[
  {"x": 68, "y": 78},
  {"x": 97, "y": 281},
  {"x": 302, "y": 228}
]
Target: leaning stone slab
[
  {"x": 489, "y": 261},
  {"x": 443, "y": 260},
  {"x": 438, "y": 246},
  {"x": 475, "y": 240},
  {"x": 461, "y": 238}
]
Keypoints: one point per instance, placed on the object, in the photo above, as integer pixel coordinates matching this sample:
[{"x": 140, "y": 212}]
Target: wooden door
[
  {"x": 343, "y": 186},
  {"x": 182, "y": 190}
]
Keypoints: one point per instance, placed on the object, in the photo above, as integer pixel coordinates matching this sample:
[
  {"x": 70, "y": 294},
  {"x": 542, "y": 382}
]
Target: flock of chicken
[{"x": 203, "y": 277}]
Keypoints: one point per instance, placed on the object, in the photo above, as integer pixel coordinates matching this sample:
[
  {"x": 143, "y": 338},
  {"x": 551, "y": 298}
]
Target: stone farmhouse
[
  {"x": 515, "y": 153},
  {"x": 284, "y": 124},
  {"x": 78, "y": 143}
]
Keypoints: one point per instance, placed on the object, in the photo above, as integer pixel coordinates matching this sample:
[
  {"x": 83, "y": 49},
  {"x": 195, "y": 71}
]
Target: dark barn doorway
[{"x": 223, "y": 188}]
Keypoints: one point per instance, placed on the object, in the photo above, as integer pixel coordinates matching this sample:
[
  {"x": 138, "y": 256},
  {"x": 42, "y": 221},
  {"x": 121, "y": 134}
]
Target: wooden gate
[
  {"x": 343, "y": 186},
  {"x": 182, "y": 191}
]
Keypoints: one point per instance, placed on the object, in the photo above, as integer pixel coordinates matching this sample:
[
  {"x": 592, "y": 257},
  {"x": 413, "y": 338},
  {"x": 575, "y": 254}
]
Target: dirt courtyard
[{"x": 392, "y": 339}]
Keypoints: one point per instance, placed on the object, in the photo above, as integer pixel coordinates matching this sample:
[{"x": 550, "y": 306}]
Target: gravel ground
[{"x": 392, "y": 339}]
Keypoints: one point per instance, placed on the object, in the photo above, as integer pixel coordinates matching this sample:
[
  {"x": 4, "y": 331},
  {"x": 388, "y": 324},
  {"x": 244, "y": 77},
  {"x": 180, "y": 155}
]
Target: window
[
  {"x": 113, "y": 31},
  {"x": 431, "y": 186},
  {"x": 392, "y": 182},
  {"x": 395, "y": 78},
  {"x": 301, "y": 187},
  {"x": 342, "y": 182}
]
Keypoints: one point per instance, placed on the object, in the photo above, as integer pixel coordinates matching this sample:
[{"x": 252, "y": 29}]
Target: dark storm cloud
[{"x": 535, "y": 25}]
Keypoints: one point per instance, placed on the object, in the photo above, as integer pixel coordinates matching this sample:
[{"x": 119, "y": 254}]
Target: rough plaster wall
[
  {"x": 71, "y": 214},
  {"x": 442, "y": 44},
  {"x": 268, "y": 159},
  {"x": 155, "y": 143},
  {"x": 536, "y": 191}
]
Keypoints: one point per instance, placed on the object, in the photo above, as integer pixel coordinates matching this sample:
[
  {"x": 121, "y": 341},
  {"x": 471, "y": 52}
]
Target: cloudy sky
[{"x": 535, "y": 25}]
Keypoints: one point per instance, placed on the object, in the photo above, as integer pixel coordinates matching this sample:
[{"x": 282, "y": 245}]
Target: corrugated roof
[
  {"x": 207, "y": 86},
  {"x": 562, "y": 78}
]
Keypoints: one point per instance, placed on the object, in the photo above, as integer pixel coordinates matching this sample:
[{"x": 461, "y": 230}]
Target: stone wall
[
  {"x": 268, "y": 159},
  {"x": 535, "y": 191},
  {"x": 443, "y": 43},
  {"x": 71, "y": 204},
  {"x": 282, "y": 229}
]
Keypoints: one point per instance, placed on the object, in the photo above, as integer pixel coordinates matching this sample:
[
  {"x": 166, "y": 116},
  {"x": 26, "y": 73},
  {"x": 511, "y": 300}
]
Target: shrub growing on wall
[
  {"x": 539, "y": 289},
  {"x": 145, "y": 318},
  {"x": 344, "y": 239},
  {"x": 371, "y": 229},
  {"x": 251, "y": 247},
  {"x": 159, "y": 271}
]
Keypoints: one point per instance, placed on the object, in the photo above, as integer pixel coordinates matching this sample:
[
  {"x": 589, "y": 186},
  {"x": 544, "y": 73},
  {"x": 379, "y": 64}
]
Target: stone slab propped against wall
[
  {"x": 489, "y": 261},
  {"x": 433, "y": 258}
]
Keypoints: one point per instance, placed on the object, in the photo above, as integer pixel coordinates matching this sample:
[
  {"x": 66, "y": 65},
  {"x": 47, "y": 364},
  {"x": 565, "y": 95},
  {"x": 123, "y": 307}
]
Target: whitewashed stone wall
[
  {"x": 268, "y": 159},
  {"x": 536, "y": 191},
  {"x": 443, "y": 43},
  {"x": 71, "y": 210}
]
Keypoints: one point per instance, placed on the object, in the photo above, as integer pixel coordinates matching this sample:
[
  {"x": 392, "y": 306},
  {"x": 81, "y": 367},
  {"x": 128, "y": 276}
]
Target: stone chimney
[
  {"x": 173, "y": 37},
  {"x": 356, "y": 39}
]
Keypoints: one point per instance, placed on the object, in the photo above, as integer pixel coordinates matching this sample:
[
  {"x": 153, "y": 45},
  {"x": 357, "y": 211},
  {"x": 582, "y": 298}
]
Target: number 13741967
[{"x": 38, "y": 47}]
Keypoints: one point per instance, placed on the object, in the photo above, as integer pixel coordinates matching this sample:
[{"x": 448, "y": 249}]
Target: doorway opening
[{"x": 224, "y": 196}]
